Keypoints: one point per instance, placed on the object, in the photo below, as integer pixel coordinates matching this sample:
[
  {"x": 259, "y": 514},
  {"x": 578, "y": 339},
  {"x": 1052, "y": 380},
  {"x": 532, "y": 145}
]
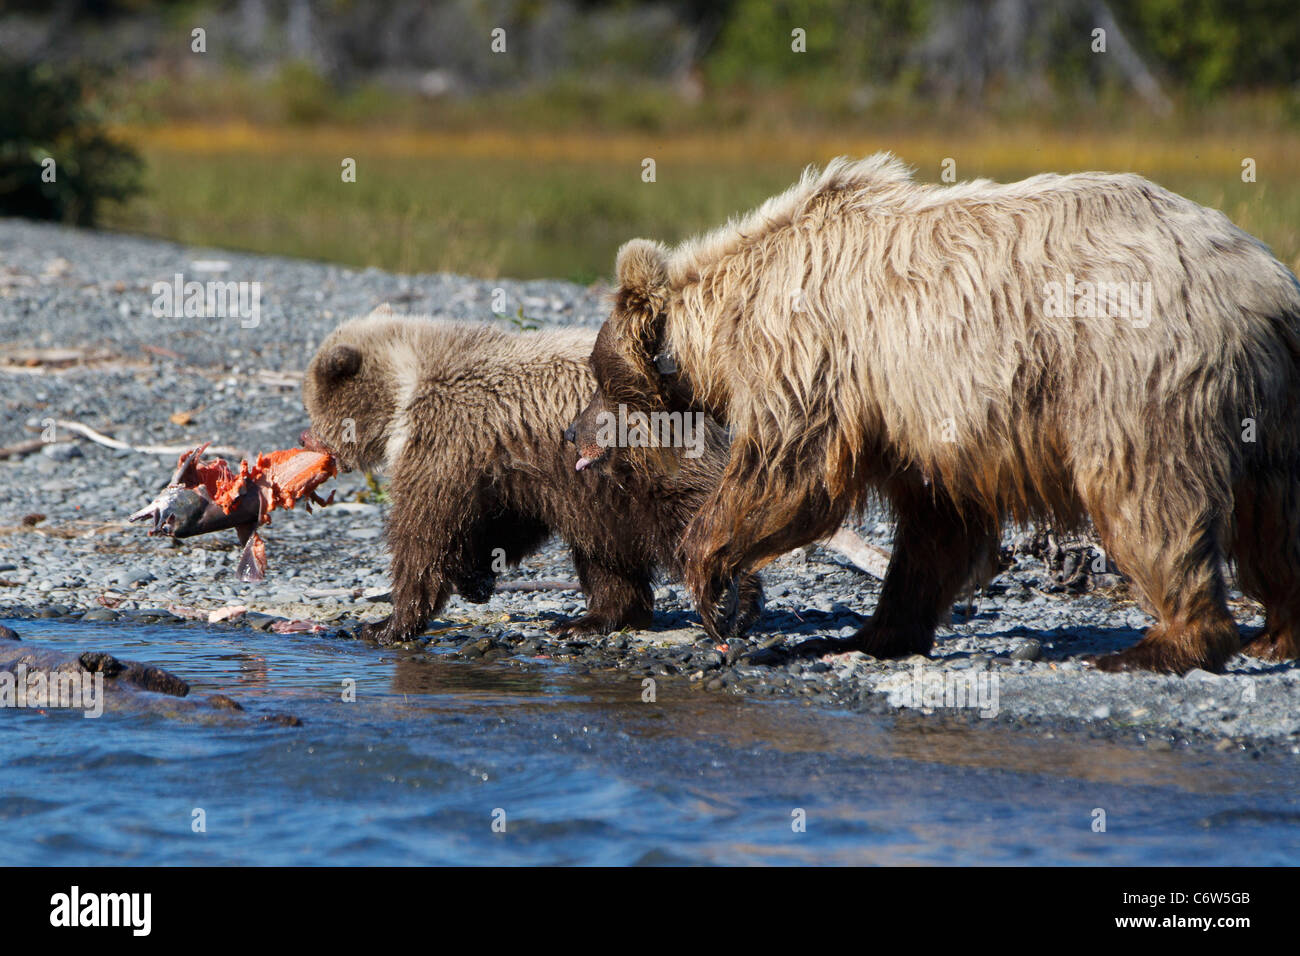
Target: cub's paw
[
  {"x": 586, "y": 624},
  {"x": 476, "y": 588},
  {"x": 1176, "y": 650},
  {"x": 749, "y": 608},
  {"x": 738, "y": 606},
  {"x": 383, "y": 633},
  {"x": 591, "y": 623},
  {"x": 889, "y": 641}
]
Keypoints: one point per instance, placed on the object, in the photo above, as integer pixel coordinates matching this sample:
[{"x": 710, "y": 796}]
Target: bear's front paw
[
  {"x": 739, "y": 609},
  {"x": 728, "y": 612},
  {"x": 1149, "y": 657},
  {"x": 1176, "y": 650},
  {"x": 1273, "y": 647},
  {"x": 591, "y": 623}
]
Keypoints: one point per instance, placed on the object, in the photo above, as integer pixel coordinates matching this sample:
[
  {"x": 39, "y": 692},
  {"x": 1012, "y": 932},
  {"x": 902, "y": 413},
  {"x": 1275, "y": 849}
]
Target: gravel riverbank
[{"x": 81, "y": 343}]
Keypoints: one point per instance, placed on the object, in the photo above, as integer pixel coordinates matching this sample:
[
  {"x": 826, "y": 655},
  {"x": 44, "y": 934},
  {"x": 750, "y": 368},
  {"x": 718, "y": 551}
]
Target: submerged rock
[{"x": 97, "y": 682}]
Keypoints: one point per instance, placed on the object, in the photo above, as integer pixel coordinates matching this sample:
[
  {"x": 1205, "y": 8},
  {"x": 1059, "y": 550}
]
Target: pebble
[
  {"x": 61, "y": 451},
  {"x": 131, "y": 577},
  {"x": 1027, "y": 650}
]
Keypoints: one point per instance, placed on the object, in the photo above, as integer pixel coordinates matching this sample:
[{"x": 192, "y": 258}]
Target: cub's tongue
[{"x": 582, "y": 463}]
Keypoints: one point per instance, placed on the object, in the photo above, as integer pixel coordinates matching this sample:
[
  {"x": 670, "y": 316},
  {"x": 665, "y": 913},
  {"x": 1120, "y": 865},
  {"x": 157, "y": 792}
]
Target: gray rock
[
  {"x": 61, "y": 451},
  {"x": 1028, "y": 649},
  {"x": 131, "y": 577}
]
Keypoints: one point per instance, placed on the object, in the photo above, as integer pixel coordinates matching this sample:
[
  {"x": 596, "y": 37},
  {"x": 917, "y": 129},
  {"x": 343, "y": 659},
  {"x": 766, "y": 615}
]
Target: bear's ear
[
  {"x": 642, "y": 270},
  {"x": 642, "y": 296},
  {"x": 382, "y": 309},
  {"x": 340, "y": 362}
]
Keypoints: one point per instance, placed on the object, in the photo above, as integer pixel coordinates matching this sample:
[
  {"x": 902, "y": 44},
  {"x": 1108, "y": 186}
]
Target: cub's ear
[
  {"x": 382, "y": 309},
  {"x": 642, "y": 296},
  {"x": 340, "y": 362}
]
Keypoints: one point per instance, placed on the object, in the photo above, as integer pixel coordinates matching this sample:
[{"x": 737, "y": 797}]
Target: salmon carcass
[{"x": 207, "y": 496}]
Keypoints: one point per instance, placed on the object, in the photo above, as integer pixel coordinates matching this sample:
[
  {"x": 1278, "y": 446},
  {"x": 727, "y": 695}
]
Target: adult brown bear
[
  {"x": 470, "y": 421},
  {"x": 1059, "y": 347}
]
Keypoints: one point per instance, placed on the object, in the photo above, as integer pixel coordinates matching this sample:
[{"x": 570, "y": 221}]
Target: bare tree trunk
[{"x": 1117, "y": 45}]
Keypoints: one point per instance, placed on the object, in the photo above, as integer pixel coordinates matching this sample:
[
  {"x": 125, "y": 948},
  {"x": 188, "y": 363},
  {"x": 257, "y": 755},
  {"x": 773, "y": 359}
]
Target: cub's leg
[
  {"x": 425, "y": 532},
  {"x": 500, "y": 540},
  {"x": 616, "y": 598},
  {"x": 420, "y": 589}
]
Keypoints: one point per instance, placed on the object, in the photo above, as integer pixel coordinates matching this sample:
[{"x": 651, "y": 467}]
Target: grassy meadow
[{"x": 557, "y": 203}]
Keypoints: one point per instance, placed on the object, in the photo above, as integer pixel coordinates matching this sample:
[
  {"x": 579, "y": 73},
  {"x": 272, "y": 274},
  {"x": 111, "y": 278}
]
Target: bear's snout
[{"x": 571, "y": 433}]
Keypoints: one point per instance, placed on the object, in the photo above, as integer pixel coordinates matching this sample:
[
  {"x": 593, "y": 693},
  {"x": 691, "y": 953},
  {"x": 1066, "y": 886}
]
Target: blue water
[{"x": 412, "y": 772}]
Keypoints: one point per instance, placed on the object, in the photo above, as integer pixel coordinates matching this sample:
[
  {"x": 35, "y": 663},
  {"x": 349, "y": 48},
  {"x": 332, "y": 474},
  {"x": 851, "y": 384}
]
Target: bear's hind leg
[
  {"x": 1267, "y": 549},
  {"x": 937, "y": 548},
  {"x": 500, "y": 540},
  {"x": 1176, "y": 566},
  {"x": 616, "y": 599}
]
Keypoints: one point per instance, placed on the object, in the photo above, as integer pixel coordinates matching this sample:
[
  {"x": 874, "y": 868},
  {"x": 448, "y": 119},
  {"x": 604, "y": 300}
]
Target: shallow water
[{"x": 413, "y": 771}]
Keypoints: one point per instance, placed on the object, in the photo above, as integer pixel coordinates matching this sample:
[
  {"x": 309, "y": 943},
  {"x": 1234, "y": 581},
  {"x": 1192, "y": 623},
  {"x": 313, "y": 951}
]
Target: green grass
[
  {"x": 488, "y": 218},
  {"x": 528, "y": 205}
]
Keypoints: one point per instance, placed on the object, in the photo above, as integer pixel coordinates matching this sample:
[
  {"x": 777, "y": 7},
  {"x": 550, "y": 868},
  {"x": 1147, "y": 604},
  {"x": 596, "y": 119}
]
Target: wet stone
[{"x": 1028, "y": 649}]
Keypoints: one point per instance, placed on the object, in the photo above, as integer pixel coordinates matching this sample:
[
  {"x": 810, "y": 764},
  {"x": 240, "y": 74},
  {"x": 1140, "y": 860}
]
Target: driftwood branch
[
  {"x": 865, "y": 557},
  {"x": 22, "y": 448},
  {"x": 540, "y": 586},
  {"x": 101, "y": 439}
]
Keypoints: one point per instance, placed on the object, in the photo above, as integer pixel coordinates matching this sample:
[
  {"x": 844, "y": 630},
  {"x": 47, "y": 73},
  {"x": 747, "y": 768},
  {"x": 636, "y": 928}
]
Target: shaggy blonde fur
[{"x": 862, "y": 332}]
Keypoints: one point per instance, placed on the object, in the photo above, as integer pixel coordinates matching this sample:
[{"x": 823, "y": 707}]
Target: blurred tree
[
  {"x": 1029, "y": 48},
  {"x": 845, "y": 40},
  {"x": 1213, "y": 45},
  {"x": 969, "y": 50},
  {"x": 964, "y": 49},
  {"x": 43, "y": 116}
]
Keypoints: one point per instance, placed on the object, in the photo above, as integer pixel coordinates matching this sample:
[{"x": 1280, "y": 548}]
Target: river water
[{"x": 444, "y": 761}]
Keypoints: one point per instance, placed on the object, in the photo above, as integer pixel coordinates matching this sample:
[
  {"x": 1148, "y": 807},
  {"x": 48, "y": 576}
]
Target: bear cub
[{"x": 469, "y": 421}]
